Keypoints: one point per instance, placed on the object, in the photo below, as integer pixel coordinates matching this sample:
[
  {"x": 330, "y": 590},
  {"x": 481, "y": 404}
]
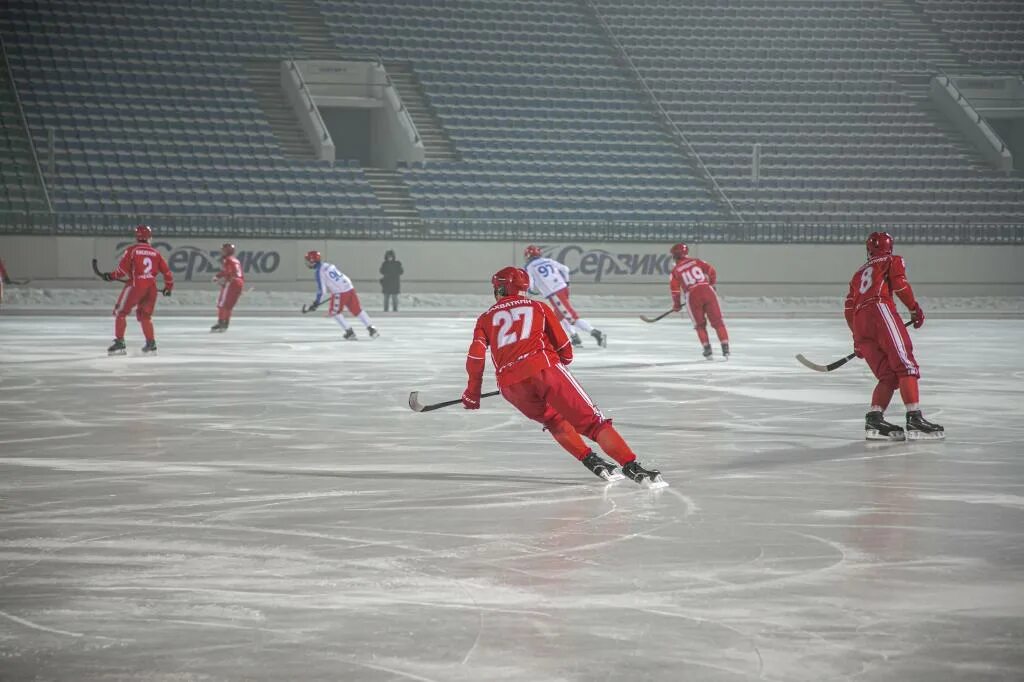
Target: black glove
[
  {"x": 167, "y": 291},
  {"x": 107, "y": 277}
]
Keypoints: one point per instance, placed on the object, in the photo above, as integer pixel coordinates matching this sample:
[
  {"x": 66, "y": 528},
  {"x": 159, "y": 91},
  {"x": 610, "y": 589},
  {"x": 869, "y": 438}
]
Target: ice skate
[
  {"x": 725, "y": 350},
  {"x": 602, "y": 468},
  {"x": 876, "y": 428},
  {"x": 150, "y": 347},
  {"x": 649, "y": 478},
  {"x": 350, "y": 335},
  {"x": 373, "y": 332},
  {"x": 220, "y": 327},
  {"x": 117, "y": 348},
  {"x": 707, "y": 352},
  {"x": 919, "y": 428},
  {"x": 600, "y": 337},
  {"x": 577, "y": 342}
]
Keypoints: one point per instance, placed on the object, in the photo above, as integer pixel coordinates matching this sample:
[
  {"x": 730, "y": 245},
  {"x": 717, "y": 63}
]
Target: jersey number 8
[
  {"x": 865, "y": 280},
  {"x": 504, "y": 319}
]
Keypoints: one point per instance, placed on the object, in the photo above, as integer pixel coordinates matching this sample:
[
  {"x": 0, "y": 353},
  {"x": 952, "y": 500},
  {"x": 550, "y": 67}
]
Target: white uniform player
[
  {"x": 335, "y": 283},
  {"x": 550, "y": 279}
]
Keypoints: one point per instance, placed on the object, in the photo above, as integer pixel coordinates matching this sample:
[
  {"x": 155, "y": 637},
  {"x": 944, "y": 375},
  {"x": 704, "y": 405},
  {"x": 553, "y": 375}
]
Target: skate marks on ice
[{"x": 287, "y": 512}]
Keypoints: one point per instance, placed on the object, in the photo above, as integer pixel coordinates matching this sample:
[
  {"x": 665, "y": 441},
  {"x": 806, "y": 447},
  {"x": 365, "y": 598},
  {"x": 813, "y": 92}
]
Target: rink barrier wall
[{"x": 598, "y": 268}]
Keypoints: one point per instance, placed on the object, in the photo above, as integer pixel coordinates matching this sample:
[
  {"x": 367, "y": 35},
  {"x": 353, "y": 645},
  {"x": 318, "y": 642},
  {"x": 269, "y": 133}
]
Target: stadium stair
[
  {"x": 392, "y": 194},
  {"x": 436, "y": 143}
]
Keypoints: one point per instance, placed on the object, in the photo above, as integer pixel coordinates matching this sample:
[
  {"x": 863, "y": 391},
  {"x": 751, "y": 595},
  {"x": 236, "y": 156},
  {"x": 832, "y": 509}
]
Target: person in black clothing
[{"x": 390, "y": 282}]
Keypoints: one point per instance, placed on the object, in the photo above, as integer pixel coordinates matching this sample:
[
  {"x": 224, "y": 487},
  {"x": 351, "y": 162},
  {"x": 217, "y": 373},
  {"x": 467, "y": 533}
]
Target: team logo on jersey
[
  {"x": 599, "y": 264},
  {"x": 186, "y": 261}
]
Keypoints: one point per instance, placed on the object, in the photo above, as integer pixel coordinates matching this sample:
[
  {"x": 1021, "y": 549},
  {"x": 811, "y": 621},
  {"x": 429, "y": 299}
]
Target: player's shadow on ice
[{"x": 417, "y": 476}]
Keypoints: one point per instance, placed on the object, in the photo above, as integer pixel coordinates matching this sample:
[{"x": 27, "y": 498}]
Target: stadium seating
[
  {"x": 989, "y": 32},
  {"x": 19, "y": 185},
  {"x": 814, "y": 83},
  {"x": 156, "y": 120},
  {"x": 546, "y": 123}
]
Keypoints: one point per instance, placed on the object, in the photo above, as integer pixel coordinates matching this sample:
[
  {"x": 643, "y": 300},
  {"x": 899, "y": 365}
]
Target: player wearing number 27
[
  {"x": 530, "y": 351},
  {"x": 880, "y": 337},
  {"x": 696, "y": 280},
  {"x": 140, "y": 265}
]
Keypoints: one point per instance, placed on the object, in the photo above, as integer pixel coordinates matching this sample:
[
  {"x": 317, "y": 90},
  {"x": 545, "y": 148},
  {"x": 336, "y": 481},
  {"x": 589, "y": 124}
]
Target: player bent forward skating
[
  {"x": 342, "y": 293},
  {"x": 696, "y": 279},
  {"x": 530, "y": 350},
  {"x": 880, "y": 337},
  {"x": 231, "y": 283},
  {"x": 551, "y": 279},
  {"x": 140, "y": 265}
]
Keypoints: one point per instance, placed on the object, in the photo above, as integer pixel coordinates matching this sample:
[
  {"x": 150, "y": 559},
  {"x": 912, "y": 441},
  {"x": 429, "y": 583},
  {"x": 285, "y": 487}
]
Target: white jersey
[
  {"x": 547, "y": 276},
  {"x": 331, "y": 280}
]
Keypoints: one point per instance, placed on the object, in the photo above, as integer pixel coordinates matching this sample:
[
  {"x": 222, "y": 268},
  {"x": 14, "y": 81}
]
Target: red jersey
[
  {"x": 877, "y": 281},
  {"x": 140, "y": 263},
  {"x": 524, "y": 337},
  {"x": 230, "y": 269},
  {"x": 688, "y": 274}
]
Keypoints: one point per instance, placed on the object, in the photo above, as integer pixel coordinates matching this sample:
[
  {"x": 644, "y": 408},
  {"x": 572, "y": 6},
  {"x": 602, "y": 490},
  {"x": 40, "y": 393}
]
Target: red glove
[
  {"x": 677, "y": 305},
  {"x": 565, "y": 360},
  {"x": 856, "y": 351},
  {"x": 917, "y": 316},
  {"x": 471, "y": 396}
]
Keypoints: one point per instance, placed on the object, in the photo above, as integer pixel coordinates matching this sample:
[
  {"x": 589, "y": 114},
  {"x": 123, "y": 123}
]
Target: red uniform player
[
  {"x": 696, "y": 279},
  {"x": 4, "y": 279},
  {"x": 529, "y": 350},
  {"x": 140, "y": 265},
  {"x": 880, "y": 337},
  {"x": 231, "y": 282}
]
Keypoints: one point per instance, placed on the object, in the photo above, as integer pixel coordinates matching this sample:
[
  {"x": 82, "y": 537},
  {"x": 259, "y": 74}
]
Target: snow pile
[{"x": 202, "y": 301}]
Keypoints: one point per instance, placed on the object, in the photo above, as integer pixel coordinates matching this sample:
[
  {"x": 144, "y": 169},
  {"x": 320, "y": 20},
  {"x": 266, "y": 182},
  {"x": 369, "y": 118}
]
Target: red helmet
[
  {"x": 879, "y": 244},
  {"x": 510, "y": 281},
  {"x": 143, "y": 233},
  {"x": 227, "y": 249},
  {"x": 312, "y": 258},
  {"x": 680, "y": 250},
  {"x": 532, "y": 251}
]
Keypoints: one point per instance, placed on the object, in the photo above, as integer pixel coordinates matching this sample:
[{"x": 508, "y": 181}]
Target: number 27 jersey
[{"x": 524, "y": 337}]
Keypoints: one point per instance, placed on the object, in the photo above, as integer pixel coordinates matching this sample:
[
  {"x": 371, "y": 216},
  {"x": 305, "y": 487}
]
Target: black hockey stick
[
  {"x": 309, "y": 309},
  {"x": 96, "y": 269},
  {"x": 655, "y": 319},
  {"x": 833, "y": 365},
  {"x": 416, "y": 406},
  {"x": 18, "y": 282}
]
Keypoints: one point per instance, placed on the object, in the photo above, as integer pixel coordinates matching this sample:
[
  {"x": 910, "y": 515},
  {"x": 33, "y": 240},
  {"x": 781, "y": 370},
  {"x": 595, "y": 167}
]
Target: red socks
[
  {"x": 147, "y": 329},
  {"x": 909, "y": 392},
  {"x": 120, "y": 324},
  {"x": 563, "y": 432},
  {"x": 614, "y": 445}
]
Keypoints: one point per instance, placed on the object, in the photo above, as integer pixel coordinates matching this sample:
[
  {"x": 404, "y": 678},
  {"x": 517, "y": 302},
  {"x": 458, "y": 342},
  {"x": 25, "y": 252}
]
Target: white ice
[{"x": 263, "y": 505}]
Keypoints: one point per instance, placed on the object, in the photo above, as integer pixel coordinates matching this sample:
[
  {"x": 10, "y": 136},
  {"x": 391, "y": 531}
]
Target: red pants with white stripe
[
  {"x": 560, "y": 302},
  {"x": 882, "y": 339},
  {"x": 702, "y": 305},
  {"x": 143, "y": 299},
  {"x": 228, "y": 297},
  {"x": 349, "y": 300},
  {"x": 552, "y": 395}
]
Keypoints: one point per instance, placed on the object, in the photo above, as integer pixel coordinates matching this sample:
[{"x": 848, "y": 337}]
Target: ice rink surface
[{"x": 263, "y": 505}]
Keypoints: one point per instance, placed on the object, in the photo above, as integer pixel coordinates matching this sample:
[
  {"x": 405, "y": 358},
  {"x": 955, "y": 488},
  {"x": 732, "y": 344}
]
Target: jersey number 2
[
  {"x": 147, "y": 266},
  {"x": 504, "y": 319}
]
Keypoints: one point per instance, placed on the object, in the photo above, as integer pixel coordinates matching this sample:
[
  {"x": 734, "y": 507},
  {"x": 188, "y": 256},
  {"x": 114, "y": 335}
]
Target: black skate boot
[
  {"x": 117, "y": 348},
  {"x": 350, "y": 334},
  {"x": 919, "y": 428},
  {"x": 373, "y": 332},
  {"x": 707, "y": 351},
  {"x": 650, "y": 478},
  {"x": 876, "y": 428},
  {"x": 150, "y": 347},
  {"x": 600, "y": 337},
  {"x": 219, "y": 327},
  {"x": 725, "y": 350},
  {"x": 602, "y": 468},
  {"x": 577, "y": 342}
]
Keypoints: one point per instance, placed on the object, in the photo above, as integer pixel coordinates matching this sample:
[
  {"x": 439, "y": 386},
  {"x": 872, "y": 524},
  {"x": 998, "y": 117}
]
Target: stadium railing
[{"x": 345, "y": 227}]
